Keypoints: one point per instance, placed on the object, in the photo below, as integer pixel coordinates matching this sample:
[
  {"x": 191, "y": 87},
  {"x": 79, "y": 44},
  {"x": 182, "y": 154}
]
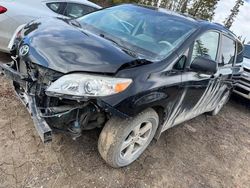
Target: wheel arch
[{"x": 161, "y": 113}]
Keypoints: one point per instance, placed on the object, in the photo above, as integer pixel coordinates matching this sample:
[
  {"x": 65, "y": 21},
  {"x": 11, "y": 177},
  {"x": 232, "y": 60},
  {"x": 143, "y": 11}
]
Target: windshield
[
  {"x": 141, "y": 30},
  {"x": 247, "y": 51}
]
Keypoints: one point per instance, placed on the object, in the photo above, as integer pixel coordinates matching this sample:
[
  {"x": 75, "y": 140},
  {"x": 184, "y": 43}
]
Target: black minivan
[{"x": 130, "y": 70}]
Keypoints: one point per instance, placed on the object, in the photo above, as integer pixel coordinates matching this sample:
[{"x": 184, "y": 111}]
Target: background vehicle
[
  {"x": 131, "y": 70},
  {"x": 14, "y": 13},
  {"x": 243, "y": 86}
]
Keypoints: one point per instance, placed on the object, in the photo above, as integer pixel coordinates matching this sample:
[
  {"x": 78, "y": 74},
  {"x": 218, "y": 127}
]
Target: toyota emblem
[{"x": 24, "y": 50}]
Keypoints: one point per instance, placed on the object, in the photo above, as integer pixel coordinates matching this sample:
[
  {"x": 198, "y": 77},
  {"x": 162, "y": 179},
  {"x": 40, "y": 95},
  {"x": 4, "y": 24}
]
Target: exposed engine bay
[{"x": 70, "y": 116}]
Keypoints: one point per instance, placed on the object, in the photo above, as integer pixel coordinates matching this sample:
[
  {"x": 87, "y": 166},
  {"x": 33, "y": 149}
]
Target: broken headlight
[{"x": 88, "y": 85}]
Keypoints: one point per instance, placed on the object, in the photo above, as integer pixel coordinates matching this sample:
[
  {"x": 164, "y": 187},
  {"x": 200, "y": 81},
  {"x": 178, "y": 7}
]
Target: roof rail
[{"x": 219, "y": 24}]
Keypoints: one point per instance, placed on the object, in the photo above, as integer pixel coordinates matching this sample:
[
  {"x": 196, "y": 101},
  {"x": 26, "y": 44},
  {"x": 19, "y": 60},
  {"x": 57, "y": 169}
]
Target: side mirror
[{"x": 204, "y": 65}]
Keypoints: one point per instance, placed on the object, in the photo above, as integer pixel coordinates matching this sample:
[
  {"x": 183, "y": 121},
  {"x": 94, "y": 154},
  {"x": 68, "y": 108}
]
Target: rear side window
[
  {"x": 74, "y": 10},
  {"x": 228, "y": 48},
  {"x": 206, "y": 46}
]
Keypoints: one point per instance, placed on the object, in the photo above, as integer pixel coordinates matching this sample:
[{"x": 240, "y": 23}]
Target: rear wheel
[
  {"x": 122, "y": 141},
  {"x": 220, "y": 104}
]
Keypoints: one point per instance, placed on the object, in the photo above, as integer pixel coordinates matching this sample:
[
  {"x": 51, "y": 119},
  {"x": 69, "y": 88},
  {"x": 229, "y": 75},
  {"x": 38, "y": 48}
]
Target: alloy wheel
[{"x": 136, "y": 140}]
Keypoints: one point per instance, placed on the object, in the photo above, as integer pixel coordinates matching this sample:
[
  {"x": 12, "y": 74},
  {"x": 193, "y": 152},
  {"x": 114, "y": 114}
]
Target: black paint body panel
[
  {"x": 58, "y": 45},
  {"x": 182, "y": 94}
]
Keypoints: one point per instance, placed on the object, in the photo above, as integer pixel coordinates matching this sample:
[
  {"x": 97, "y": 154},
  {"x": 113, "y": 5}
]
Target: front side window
[
  {"x": 228, "y": 48},
  {"x": 142, "y": 30},
  {"x": 240, "y": 53},
  {"x": 206, "y": 46},
  {"x": 74, "y": 10},
  {"x": 56, "y": 6}
]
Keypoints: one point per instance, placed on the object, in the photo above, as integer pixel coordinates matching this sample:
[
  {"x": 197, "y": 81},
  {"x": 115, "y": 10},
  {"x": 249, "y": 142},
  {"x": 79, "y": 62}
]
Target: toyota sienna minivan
[{"x": 129, "y": 70}]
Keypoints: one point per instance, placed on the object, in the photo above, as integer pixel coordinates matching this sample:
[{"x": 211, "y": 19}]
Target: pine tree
[
  {"x": 165, "y": 3},
  {"x": 234, "y": 12},
  {"x": 203, "y": 9},
  {"x": 149, "y": 2},
  {"x": 174, "y": 5},
  {"x": 180, "y": 5},
  {"x": 184, "y": 6}
]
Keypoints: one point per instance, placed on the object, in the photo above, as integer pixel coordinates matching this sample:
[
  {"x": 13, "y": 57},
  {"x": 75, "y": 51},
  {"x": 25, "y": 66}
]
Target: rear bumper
[{"x": 40, "y": 124}]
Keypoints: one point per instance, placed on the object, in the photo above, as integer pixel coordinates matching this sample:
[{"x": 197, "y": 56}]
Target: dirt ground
[{"x": 204, "y": 152}]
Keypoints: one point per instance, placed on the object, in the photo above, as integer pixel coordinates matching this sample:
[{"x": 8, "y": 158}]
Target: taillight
[{"x": 2, "y": 9}]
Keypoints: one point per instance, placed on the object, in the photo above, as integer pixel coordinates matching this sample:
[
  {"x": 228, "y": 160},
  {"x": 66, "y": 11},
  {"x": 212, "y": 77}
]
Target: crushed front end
[
  {"x": 72, "y": 81},
  {"x": 49, "y": 113}
]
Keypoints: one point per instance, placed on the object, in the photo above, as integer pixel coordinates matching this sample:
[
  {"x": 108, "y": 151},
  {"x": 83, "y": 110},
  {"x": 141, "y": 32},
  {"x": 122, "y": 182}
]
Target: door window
[
  {"x": 228, "y": 48},
  {"x": 247, "y": 51},
  {"x": 57, "y": 7},
  {"x": 206, "y": 46},
  {"x": 240, "y": 53},
  {"x": 74, "y": 10}
]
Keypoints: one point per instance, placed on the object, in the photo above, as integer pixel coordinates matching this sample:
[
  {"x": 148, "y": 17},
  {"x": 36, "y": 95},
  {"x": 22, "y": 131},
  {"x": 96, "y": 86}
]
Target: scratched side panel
[{"x": 206, "y": 102}]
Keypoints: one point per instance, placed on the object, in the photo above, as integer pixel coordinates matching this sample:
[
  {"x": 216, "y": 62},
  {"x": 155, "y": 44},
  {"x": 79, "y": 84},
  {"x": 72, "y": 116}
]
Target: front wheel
[{"x": 122, "y": 141}]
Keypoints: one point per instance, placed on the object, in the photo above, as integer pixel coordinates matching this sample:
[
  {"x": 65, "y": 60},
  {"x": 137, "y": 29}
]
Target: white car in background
[
  {"x": 243, "y": 86},
  {"x": 14, "y": 13}
]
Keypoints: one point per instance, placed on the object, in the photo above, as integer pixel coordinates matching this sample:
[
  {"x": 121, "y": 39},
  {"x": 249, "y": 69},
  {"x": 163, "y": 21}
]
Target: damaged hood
[{"x": 61, "y": 46}]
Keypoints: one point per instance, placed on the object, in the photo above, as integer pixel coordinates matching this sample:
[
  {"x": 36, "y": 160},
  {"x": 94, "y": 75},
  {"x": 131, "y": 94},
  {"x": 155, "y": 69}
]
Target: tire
[
  {"x": 220, "y": 104},
  {"x": 119, "y": 140}
]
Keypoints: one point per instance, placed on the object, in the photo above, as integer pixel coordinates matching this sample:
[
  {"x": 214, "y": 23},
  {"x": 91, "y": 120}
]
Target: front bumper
[
  {"x": 43, "y": 129},
  {"x": 242, "y": 87},
  {"x": 44, "y": 123}
]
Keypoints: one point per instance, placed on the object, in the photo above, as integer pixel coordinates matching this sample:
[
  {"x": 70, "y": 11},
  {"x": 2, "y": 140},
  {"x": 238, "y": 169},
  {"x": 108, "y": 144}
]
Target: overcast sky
[{"x": 241, "y": 26}]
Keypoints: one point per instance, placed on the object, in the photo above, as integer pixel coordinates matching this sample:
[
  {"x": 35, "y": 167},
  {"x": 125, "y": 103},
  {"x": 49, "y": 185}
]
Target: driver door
[{"x": 199, "y": 91}]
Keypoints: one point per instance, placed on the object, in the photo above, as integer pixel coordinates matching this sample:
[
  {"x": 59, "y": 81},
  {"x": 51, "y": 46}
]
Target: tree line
[{"x": 202, "y": 9}]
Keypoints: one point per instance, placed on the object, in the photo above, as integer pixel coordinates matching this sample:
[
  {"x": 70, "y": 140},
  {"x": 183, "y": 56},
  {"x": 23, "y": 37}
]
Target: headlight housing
[{"x": 88, "y": 85}]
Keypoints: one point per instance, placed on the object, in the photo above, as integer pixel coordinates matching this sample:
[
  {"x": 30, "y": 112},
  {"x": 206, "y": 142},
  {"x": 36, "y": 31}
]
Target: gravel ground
[{"x": 204, "y": 152}]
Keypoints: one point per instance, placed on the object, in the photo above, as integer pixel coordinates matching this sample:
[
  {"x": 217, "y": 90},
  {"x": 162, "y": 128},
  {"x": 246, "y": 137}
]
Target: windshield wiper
[
  {"x": 107, "y": 38},
  {"x": 131, "y": 53},
  {"x": 127, "y": 51}
]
